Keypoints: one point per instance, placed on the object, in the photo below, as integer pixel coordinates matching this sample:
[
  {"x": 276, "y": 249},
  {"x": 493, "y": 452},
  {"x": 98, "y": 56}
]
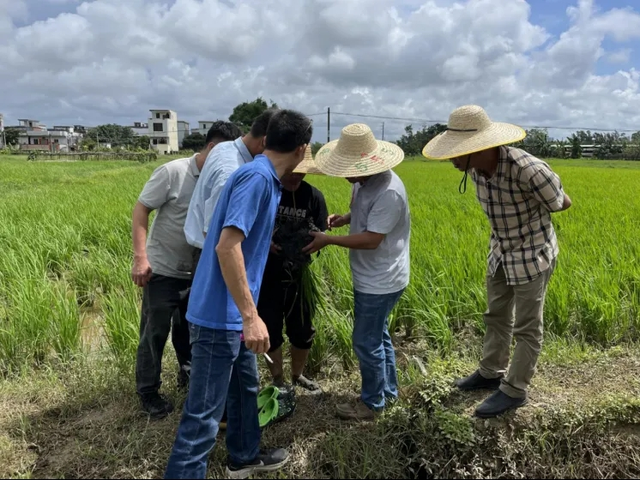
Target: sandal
[
  {"x": 269, "y": 412},
  {"x": 271, "y": 392},
  {"x": 286, "y": 407}
]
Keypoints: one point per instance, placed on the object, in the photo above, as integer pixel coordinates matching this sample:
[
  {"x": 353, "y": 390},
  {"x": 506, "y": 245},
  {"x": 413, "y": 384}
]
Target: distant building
[
  {"x": 183, "y": 131},
  {"x": 163, "y": 131},
  {"x": 35, "y": 136},
  {"x": 203, "y": 127},
  {"x": 80, "y": 130},
  {"x": 140, "y": 129},
  {"x": 26, "y": 124}
]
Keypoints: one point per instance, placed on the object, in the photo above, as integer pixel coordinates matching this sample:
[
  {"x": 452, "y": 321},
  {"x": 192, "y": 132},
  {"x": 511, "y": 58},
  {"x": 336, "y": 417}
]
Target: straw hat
[
  {"x": 471, "y": 130},
  {"x": 358, "y": 154},
  {"x": 307, "y": 165}
]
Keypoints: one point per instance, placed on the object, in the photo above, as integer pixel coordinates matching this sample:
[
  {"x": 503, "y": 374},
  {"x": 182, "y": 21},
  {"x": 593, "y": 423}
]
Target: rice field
[
  {"x": 66, "y": 292},
  {"x": 69, "y": 318}
]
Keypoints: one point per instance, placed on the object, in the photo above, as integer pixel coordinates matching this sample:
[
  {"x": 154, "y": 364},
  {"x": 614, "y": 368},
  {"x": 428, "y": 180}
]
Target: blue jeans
[
  {"x": 223, "y": 371},
  {"x": 373, "y": 347}
]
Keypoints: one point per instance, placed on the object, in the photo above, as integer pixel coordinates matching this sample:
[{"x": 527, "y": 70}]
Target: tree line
[{"x": 605, "y": 146}]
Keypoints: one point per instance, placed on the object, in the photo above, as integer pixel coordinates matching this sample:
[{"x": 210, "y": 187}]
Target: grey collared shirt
[
  {"x": 222, "y": 161},
  {"x": 381, "y": 206},
  {"x": 169, "y": 191}
]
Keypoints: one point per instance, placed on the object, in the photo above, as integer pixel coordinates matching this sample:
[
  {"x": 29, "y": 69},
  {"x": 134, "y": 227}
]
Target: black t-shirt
[{"x": 298, "y": 213}]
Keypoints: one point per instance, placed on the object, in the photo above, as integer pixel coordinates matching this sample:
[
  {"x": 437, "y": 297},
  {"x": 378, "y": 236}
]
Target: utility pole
[
  {"x": 328, "y": 124},
  {"x": 4, "y": 136},
  {"x": 382, "y": 130}
]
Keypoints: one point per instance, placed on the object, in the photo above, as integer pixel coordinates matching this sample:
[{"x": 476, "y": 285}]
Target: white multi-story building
[
  {"x": 183, "y": 131},
  {"x": 163, "y": 131}
]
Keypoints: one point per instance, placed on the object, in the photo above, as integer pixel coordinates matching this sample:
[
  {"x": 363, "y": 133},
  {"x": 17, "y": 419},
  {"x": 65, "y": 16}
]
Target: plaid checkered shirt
[{"x": 518, "y": 201}]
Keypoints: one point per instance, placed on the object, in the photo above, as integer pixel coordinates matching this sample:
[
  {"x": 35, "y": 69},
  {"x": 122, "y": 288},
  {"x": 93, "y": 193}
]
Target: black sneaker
[
  {"x": 157, "y": 406},
  {"x": 266, "y": 461},
  {"x": 478, "y": 382}
]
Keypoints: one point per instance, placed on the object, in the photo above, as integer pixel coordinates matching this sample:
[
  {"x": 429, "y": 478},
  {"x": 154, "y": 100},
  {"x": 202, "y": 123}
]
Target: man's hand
[
  {"x": 320, "y": 240},
  {"x": 275, "y": 249},
  {"x": 256, "y": 335},
  {"x": 337, "y": 221},
  {"x": 141, "y": 271}
]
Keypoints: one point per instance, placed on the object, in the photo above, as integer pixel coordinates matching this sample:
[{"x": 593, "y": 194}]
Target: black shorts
[{"x": 280, "y": 304}]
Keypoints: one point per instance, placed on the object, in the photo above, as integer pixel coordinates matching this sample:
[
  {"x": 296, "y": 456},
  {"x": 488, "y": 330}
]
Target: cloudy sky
[{"x": 556, "y": 63}]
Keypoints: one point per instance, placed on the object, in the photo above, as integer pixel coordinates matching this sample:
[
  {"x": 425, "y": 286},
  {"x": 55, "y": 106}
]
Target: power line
[{"x": 444, "y": 122}]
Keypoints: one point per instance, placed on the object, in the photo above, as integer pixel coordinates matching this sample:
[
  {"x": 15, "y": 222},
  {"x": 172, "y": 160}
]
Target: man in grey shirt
[
  {"x": 379, "y": 255},
  {"x": 162, "y": 266}
]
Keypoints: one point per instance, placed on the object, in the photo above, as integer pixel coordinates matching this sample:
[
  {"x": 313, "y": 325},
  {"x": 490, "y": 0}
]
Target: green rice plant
[
  {"x": 122, "y": 325},
  {"x": 66, "y": 232}
]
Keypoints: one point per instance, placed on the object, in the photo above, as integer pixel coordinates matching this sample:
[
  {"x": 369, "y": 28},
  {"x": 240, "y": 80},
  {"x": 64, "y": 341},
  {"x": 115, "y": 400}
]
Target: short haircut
[
  {"x": 223, "y": 131},
  {"x": 261, "y": 123},
  {"x": 287, "y": 131}
]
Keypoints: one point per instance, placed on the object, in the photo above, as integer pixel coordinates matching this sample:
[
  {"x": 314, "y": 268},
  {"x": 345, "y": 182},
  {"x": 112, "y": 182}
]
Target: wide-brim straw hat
[
  {"x": 308, "y": 165},
  {"x": 470, "y": 130},
  {"x": 357, "y": 153}
]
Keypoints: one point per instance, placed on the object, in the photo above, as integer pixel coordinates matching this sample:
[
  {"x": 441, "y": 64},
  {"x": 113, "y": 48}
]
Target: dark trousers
[{"x": 164, "y": 305}]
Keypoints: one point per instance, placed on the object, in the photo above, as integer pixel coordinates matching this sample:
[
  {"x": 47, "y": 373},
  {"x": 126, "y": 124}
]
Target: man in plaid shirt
[{"x": 518, "y": 192}]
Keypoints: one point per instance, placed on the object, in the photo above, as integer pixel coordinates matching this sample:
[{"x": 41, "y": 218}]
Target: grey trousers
[{"x": 514, "y": 311}]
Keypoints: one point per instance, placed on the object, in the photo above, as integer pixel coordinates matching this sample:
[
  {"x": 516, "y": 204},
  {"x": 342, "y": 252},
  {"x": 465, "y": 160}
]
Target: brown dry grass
[{"x": 583, "y": 419}]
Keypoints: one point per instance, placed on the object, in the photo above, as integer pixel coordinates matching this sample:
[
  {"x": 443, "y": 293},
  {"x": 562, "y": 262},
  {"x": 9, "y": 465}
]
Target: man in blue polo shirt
[{"x": 222, "y": 308}]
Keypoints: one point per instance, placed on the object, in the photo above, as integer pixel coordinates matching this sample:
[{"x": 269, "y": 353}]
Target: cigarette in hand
[{"x": 265, "y": 355}]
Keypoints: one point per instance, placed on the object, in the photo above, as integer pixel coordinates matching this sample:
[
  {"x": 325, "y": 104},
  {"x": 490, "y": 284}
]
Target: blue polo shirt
[{"x": 249, "y": 202}]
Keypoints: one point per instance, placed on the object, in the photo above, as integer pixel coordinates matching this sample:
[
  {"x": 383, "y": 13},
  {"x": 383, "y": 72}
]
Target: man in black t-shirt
[{"x": 282, "y": 296}]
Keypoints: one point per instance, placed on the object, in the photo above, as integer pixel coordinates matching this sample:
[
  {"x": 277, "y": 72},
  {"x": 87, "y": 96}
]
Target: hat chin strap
[{"x": 462, "y": 188}]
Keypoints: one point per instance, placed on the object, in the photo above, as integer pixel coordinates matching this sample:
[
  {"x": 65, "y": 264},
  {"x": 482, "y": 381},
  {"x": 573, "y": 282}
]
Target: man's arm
[
  {"x": 229, "y": 251},
  {"x": 320, "y": 213},
  {"x": 357, "y": 241},
  {"x": 381, "y": 220},
  {"x": 337, "y": 221},
  {"x": 547, "y": 189},
  {"x": 154, "y": 195},
  {"x": 141, "y": 271}
]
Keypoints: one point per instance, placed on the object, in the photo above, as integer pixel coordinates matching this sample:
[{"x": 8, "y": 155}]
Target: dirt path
[{"x": 87, "y": 426}]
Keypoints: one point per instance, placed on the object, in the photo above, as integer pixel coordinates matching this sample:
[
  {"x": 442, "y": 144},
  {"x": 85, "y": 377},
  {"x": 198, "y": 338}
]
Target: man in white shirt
[
  {"x": 162, "y": 266},
  {"x": 379, "y": 255},
  {"x": 222, "y": 161}
]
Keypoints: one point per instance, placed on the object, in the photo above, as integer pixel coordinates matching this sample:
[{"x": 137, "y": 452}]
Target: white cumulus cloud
[{"x": 105, "y": 61}]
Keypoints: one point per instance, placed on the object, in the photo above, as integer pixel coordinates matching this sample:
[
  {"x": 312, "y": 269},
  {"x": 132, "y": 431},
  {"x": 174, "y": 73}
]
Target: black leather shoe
[
  {"x": 156, "y": 405},
  {"x": 478, "y": 382},
  {"x": 498, "y": 404}
]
